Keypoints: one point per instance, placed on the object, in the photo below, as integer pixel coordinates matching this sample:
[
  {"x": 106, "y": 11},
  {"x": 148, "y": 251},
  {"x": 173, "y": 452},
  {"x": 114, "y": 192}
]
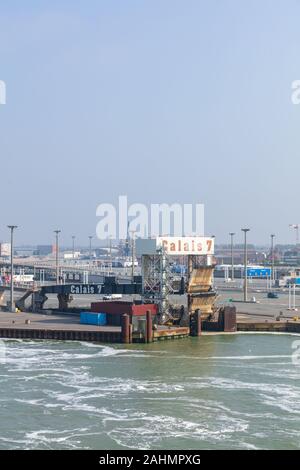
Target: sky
[{"x": 160, "y": 100}]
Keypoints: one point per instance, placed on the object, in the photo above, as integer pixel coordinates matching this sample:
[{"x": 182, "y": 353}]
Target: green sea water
[{"x": 217, "y": 392}]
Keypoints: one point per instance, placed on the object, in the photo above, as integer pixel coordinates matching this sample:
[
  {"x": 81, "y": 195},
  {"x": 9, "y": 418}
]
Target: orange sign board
[{"x": 186, "y": 245}]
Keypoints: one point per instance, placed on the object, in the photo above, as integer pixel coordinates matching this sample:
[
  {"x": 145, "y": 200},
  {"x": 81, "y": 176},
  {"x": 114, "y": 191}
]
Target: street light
[
  {"x": 110, "y": 253},
  {"x": 73, "y": 246},
  {"x": 57, "y": 232},
  {"x": 296, "y": 228},
  {"x": 90, "y": 238},
  {"x": 231, "y": 247},
  {"x": 12, "y": 228},
  {"x": 132, "y": 252},
  {"x": 245, "y": 230},
  {"x": 272, "y": 256}
]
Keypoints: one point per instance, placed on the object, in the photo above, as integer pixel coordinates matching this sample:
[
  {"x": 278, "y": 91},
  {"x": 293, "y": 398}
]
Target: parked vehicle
[{"x": 272, "y": 295}]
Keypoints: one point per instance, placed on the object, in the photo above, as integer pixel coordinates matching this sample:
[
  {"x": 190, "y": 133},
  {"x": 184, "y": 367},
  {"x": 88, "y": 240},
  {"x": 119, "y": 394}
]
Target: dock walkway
[
  {"x": 68, "y": 327},
  {"x": 58, "y": 327}
]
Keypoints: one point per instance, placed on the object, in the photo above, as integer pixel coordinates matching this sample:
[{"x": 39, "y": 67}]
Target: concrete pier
[
  {"x": 67, "y": 327},
  {"x": 64, "y": 327}
]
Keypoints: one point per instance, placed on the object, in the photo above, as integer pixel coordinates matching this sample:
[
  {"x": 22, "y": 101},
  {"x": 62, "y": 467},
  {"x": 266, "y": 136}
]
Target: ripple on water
[{"x": 200, "y": 395}]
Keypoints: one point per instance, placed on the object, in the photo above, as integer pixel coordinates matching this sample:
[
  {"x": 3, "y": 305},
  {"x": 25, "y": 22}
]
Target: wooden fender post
[
  {"x": 149, "y": 329},
  {"x": 195, "y": 323},
  {"x": 125, "y": 329}
]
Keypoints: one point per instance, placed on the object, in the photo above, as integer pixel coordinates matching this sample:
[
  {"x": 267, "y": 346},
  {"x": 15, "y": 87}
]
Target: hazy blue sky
[{"x": 162, "y": 100}]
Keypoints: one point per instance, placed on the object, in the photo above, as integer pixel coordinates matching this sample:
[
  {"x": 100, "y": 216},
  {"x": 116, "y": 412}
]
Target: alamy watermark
[
  {"x": 295, "y": 96},
  {"x": 2, "y": 352},
  {"x": 154, "y": 220},
  {"x": 2, "y": 92},
  {"x": 296, "y": 353}
]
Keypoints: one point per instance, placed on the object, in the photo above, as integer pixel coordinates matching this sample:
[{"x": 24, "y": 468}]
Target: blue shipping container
[{"x": 92, "y": 318}]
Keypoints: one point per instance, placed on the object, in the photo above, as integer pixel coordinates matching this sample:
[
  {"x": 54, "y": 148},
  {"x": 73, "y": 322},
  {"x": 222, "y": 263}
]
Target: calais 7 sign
[
  {"x": 84, "y": 288},
  {"x": 187, "y": 245}
]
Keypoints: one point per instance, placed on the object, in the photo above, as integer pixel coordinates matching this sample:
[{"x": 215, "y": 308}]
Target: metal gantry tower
[{"x": 157, "y": 285}]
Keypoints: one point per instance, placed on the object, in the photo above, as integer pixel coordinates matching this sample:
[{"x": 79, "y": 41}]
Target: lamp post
[
  {"x": 73, "y": 247},
  {"x": 110, "y": 254},
  {"x": 296, "y": 228},
  {"x": 272, "y": 256},
  {"x": 231, "y": 249},
  {"x": 132, "y": 253},
  {"x": 245, "y": 230},
  {"x": 57, "y": 232},
  {"x": 90, "y": 249},
  {"x": 12, "y": 228}
]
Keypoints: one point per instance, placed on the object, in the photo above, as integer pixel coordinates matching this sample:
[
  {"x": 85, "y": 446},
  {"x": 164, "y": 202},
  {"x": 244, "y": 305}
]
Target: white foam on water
[
  {"x": 289, "y": 402},
  {"x": 32, "y": 401},
  {"x": 245, "y": 357},
  {"x": 67, "y": 438},
  {"x": 121, "y": 350},
  {"x": 37, "y": 351},
  {"x": 154, "y": 431},
  {"x": 65, "y": 381},
  {"x": 248, "y": 446},
  {"x": 267, "y": 333},
  {"x": 108, "y": 388},
  {"x": 235, "y": 384},
  {"x": 292, "y": 374},
  {"x": 248, "y": 357}
]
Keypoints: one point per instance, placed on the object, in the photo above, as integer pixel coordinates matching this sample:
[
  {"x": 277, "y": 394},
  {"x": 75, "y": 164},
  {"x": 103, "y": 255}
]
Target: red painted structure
[{"x": 114, "y": 310}]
